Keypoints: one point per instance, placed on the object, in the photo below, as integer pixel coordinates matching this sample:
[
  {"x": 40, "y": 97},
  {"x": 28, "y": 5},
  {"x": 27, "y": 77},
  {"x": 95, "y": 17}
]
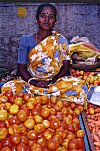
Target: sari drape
[{"x": 45, "y": 61}]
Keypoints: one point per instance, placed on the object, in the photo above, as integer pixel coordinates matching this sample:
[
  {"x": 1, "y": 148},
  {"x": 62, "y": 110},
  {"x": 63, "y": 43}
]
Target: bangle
[{"x": 33, "y": 81}]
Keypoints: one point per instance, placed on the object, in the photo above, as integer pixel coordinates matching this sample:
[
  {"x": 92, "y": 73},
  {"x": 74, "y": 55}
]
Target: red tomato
[
  {"x": 65, "y": 103},
  {"x": 47, "y": 134},
  {"x": 20, "y": 94},
  {"x": 39, "y": 128},
  {"x": 18, "y": 101},
  {"x": 70, "y": 127},
  {"x": 72, "y": 144},
  {"x": 36, "y": 110},
  {"x": 41, "y": 141},
  {"x": 7, "y": 142},
  {"x": 64, "y": 111},
  {"x": 11, "y": 99},
  {"x": 45, "y": 99},
  {"x": 3, "y": 133},
  {"x": 46, "y": 123},
  {"x": 91, "y": 110},
  {"x": 80, "y": 143},
  {"x": 3, "y": 124},
  {"x": 52, "y": 144},
  {"x": 65, "y": 143},
  {"x": 23, "y": 130},
  {"x": 59, "y": 116},
  {"x": 3, "y": 99},
  {"x": 26, "y": 96},
  {"x": 80, "y": 107},
  {"x": 38, "y": 119},
  {"x": 54, "y": 123},
  {"x": 77, "y": 111},
  {"x": 70, "y": 135},
  {"x": 61, "y": 132},
  {"x": 3, "y": 115},
  {"x": 15, "y": 138},
  {"x": 22, "y": 115},
  {"x": 53, "y": 99},
  {"x": 72, "y": 105},
  {"x": 53, "y": 111},
  {"x": 6, "y": 148},
  {"x": 32, "y": 134},
  {"x": 67, "y": 120},
  {"x": 14, "y": 120},
  {"x": 29, "y": 123},
  {"x": 80, "y": 133},
  {"x": 45, "y": 112},
  {"x": 13, "y": 129},
  {"x": 21, "y": 147},
  {"x": 24, "y": 139},
  {"x": 8, "y": 93}
]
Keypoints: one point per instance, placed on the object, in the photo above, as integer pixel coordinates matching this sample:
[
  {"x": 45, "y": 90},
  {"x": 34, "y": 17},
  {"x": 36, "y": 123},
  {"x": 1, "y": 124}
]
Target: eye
[
  {"x": 42, "y": 15},
  {"x": 51, "y": 17}
]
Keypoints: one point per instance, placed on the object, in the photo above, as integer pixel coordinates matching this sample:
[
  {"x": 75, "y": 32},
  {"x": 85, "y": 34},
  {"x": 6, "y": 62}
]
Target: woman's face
[{"x": 46, "y": 19}]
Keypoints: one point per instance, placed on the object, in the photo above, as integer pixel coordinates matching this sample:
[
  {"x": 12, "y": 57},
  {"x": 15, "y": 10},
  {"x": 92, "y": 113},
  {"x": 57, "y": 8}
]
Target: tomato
[
  {"x": 45, "y": 112},
  {"x": 80, "y": 133},
  {"x": 6, "y": 148},
  {"x": 72, "y": 105},
  {"x": 3, "y": 99},
  {"x": 52, "y": 111},
  {"x": 13, "y": 129},
  {"x": 70, "y": 111},
  {"x": 8, "y": 105},
  {"x": 64, "y": 111},
  {"x": 3, "y": 106},
  {"x": 61, "y": 132},
  {"x": 57, "y": 107},
  {"x": 14, "y": 120},
  {"x": 46, "y": 123},
  {"x": 80, "y": 143},
  {"x": 15, "y": 138},
  {"x": 25, "y": 108},
  {"x": 41, "y": 141},
  {"x": 23, "y": 130},
  {"x": 3, "y": 124},
  {"x": 20, "y": 94},
  {"x": 53, "y": 99},
  {"x": 65, "y": 143},
  {"x": 39, "y": 128},
  {"x": 67, "y": 120},
  {"x": 32, "y": 134},
  {"x": 3, "y": 115},
  {"x": 47, "y": 134},
  {"x": 30, "y": 105},
  {"x": 76, "y": 126},
  {"x": 52, "y": 144},
  {"x": 54, "y": 123},
  {"x": 91, "y": 110},
  {"x": 45, "y": 99},
  {"x": 29, "y": 123},
  {"x": 8, "y": 93},
  {"x": 24, "y": 139},
  {"x": 3, "y": 133},
  {"x": 36, "y": 110},
  {"x": 58, "y": 138},
  {"x": 72, "y": 144},
  {"x": 13, "y": 148},
  {"x": 70, "y": 135},
  {"x": 14, "y": 109},
  {"x": 18, "y": 101},
  {"x": 75, "y": 120},
  {"x": 80, "y": 107},
  {"x": 59, "y": 116},
  {"x": 22, "y": 115},
  {"x": 70, "y": 127},
  {"x": 11, "y": 99},
  {"x": 21, "y": 147},
  {"x": 38, "y": 119},
  {"x": 7, "y": 142},
  {"x": 65, "y": 103},
  {"x": 26, "y": 96},
  {"x": 77, "y": 111}
]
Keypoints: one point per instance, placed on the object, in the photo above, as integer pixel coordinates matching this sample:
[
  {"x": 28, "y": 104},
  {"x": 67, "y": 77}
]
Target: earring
[{"x": 36, "y": 21}]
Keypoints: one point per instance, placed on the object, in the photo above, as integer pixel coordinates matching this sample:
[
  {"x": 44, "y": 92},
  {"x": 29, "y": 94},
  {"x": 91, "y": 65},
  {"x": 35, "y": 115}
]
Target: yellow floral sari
[{"x": 45, "y": 61}]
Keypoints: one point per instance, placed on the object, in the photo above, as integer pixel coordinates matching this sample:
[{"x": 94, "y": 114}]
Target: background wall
[{"x": 73, "y": 19}]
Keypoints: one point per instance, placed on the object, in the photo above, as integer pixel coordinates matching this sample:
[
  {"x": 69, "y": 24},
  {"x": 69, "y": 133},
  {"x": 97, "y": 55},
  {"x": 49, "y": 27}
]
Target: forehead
[{"x": 48, "y": 10}]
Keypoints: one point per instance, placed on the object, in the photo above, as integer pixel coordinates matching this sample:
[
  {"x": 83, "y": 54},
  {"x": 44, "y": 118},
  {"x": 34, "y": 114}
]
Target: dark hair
[{"x": 42, "y": 6}]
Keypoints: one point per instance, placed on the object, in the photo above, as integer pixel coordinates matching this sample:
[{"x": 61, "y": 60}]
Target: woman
[{"x": 44, "y": 62}]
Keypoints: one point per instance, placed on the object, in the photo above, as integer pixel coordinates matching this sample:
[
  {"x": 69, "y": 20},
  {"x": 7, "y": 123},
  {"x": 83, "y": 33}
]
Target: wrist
[{"x": 32, "y": 81}]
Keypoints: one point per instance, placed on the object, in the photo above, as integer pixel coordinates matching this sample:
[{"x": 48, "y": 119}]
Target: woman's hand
[{"x": 42, "y": 83}]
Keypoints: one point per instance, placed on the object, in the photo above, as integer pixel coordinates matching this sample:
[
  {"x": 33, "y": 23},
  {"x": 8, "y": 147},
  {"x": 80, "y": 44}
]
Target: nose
[{"x": 46, "y": 18}]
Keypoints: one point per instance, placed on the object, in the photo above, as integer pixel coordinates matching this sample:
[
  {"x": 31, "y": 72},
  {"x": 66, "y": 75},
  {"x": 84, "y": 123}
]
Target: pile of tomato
[{"x": 39, "y": 123}]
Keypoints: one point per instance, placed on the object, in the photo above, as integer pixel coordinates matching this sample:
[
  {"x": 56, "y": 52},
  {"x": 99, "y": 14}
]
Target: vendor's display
[{"x": 39, "y": 123}]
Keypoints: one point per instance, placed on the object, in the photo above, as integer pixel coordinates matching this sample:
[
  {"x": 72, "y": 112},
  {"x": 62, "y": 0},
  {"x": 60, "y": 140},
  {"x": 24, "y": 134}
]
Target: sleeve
[{"x": 23, "y": 50}]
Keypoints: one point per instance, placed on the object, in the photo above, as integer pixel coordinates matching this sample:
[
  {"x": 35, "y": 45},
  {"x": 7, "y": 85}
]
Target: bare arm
[{"x": 65, "y": 69}]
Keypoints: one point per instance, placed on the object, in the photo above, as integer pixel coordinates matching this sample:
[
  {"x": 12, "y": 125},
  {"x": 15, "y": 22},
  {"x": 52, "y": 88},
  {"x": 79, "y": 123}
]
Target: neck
[{"x": 44, "y": 34}]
